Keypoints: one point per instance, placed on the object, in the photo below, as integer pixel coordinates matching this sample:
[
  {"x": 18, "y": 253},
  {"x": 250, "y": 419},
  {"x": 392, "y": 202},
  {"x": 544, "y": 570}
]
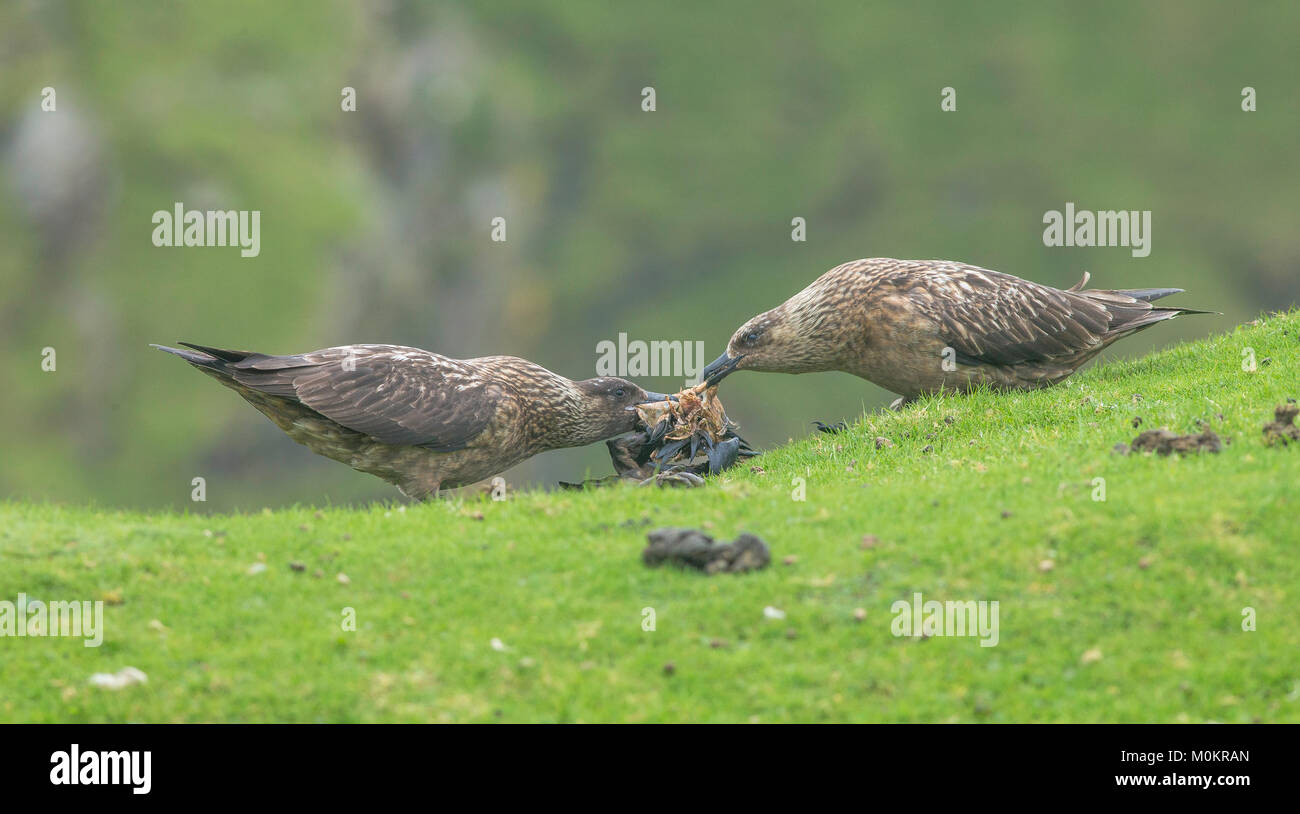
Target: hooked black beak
[{"x": 718, "y": 369}]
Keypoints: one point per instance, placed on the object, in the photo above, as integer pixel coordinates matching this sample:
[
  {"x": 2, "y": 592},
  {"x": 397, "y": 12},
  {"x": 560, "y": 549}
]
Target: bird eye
[
  {"x": 751, "y": 338},
  {"x": 620, "y": 393}
]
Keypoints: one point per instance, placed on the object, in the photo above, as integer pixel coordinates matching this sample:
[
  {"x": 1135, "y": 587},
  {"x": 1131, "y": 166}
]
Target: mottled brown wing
[
  {"x": 394, "y": 394},
  {"x": 994, "y": 318}
]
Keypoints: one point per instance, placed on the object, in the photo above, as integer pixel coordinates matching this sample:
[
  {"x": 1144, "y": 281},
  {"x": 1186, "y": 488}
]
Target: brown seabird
[
  {"x": 419, "y": 420},
  {"x": 923, "y": 326}
]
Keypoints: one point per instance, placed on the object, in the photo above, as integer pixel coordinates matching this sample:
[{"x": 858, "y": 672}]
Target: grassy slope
[{"x": 1153, "y": 580}]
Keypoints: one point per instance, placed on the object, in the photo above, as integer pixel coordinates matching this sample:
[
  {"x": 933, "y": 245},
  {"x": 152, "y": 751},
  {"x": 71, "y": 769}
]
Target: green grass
[{"x": 1150, "y": 583}]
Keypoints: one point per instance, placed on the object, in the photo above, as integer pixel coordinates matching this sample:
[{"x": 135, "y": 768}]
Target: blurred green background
[{"x": 668, "y": 225}]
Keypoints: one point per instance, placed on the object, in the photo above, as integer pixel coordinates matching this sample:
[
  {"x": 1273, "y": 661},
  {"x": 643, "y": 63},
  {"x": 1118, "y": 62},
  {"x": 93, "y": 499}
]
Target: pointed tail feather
[
  {"x": 221, "y": 353},
  {"x": 1149, "y": 294},
  {"x": 210, "y": 360},
  {"x": 1136, "y": 300},
  {"x": 203, "y": 359},
  {"x": 1125, "y": 321},
  {"x": 1113, "y": 296}
]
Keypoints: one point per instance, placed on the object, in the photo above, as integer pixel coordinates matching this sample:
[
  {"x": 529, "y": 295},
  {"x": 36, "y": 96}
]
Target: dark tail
[
  {"x": 226, "y": 367},
  {"x": 223, "y": 355},
  {"x": 200, "y": 359},
  {"x": 1131, "y": 309},
  {"x": 244, "y": 369},
  {"x": 214, "y": 359}
]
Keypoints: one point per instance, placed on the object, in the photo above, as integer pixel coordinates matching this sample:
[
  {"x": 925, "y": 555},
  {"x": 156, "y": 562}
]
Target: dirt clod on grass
[
  {"x": 1282, "y": 429},
  {"x": 1164, "y": 442},
  {"x": 689, "y": 548}
]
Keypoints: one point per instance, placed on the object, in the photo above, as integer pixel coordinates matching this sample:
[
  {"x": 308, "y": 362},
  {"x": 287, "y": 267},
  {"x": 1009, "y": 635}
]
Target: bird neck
[
  {"x": 815, "y": 332},
  {"x": 567, "y": 423}
]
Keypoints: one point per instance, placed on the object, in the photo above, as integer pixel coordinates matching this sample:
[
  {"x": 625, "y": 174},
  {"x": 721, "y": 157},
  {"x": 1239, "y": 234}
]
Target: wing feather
[
  {"x": 394, "y": 394},
  {"x": 994, "y": 318}
]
